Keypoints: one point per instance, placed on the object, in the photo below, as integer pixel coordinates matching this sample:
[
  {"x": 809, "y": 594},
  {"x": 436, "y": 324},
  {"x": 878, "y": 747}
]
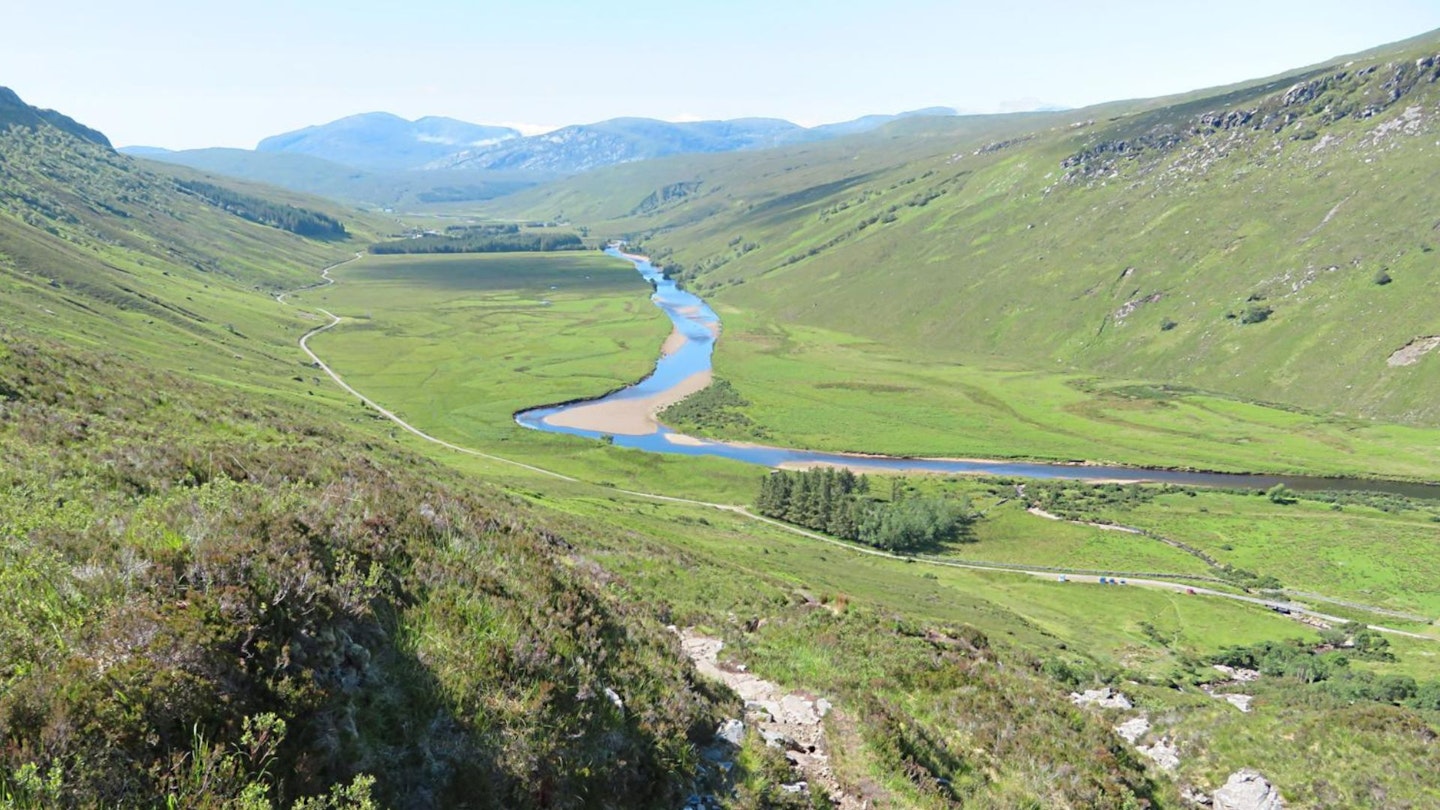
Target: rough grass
[{"x": 837, "y": 391}]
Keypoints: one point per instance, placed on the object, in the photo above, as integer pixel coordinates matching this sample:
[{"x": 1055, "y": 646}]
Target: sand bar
[
  {"x": 628, "y": 417},
  {"x": 673, "y": 344}
]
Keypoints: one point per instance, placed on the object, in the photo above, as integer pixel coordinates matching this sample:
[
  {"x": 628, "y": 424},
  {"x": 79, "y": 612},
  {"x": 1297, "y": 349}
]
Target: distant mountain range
[
  {"x": 384, "y": 159},
  {"x": 585, "y": 147}
]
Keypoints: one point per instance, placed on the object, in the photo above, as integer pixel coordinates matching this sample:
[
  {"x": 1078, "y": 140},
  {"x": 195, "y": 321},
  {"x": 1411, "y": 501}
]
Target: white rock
[
  {"x": 1133, "y": 729},
  {"x": 1105, "y": 698},
  {"x": 731, "y": 731},
  {"x": 1247, "y": 790},
  {"x": 1164, "y": 753},
  {"x": 1241, "y": 702},
  {"x": 615, "y": 698}
]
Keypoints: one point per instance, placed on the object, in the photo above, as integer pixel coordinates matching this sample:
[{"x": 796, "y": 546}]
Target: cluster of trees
[
  {"x": 838, "y": 502},
  {"x": 483, "y": 239},
  {"x": 300, "y": 221}
]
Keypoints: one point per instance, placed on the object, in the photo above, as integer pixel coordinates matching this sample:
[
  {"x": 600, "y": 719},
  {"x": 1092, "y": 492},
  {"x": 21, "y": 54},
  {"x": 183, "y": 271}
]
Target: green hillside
[
  {"x": 1275, "y": 240},
  {"x": 226, "y": 582}
]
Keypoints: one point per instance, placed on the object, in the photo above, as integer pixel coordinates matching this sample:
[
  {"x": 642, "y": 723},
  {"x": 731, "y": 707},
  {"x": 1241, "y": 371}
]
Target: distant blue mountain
[
  {"x": 584, "y": 147},
  {"x": 383, "y": 159},
  {"x": 384, "y": 141}
]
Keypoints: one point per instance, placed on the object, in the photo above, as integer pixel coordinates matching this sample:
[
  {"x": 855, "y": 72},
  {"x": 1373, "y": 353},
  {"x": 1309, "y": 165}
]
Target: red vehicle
[{"x": 1190, "y": 591}]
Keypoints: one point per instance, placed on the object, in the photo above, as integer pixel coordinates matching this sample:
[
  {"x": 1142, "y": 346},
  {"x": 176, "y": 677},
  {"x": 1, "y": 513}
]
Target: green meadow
[
  {"x": 456, "y": 345},
  {"x": 830, "y": 390},
  {"x": 1356, "y": 552}
]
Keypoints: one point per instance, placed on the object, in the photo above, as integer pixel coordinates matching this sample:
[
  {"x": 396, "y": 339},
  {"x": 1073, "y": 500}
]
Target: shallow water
[{"x": 699, "y": 324}]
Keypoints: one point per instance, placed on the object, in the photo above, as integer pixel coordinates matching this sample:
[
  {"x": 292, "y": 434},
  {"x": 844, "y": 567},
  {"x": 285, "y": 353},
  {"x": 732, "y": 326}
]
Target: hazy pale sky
[{"x": 185, "y": 74}]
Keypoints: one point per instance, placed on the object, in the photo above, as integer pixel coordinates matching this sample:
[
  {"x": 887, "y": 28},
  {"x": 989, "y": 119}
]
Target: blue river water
[{"x": 700, "y": 326}]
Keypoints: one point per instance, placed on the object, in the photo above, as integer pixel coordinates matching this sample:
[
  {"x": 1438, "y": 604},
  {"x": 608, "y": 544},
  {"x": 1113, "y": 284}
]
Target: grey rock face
[{"x": 1247, "y": 790}]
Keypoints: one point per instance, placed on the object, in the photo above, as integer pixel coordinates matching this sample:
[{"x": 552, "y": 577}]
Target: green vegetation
[
  {"x": 1328, "y": 665},
  {"x": 229, "y": 584},
  {"x": 829, "y": 390},
  {"x": 200, "y": 559},
  {"x": 713, "y": 411}
]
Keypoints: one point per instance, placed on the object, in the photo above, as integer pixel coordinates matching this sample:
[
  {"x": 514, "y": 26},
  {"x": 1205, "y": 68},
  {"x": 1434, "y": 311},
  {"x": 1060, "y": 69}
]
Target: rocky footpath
[{"x": 791, "y": 721}]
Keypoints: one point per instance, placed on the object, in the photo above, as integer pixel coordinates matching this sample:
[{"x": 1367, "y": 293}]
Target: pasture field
[
  {"x": 1359, "y": 553},
  {"x": 456, "y": 345}
]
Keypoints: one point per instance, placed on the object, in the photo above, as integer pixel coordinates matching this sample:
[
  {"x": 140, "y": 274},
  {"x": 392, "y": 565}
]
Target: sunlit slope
[
  {"x": 1139, "y": 239},
  {"x": 102, "y": 252}
]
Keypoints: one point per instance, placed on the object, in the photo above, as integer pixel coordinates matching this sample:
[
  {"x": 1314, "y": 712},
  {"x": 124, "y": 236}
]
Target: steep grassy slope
[
  {"x": 1238, "y": 241},
  {"x": 99, "y": 251},
  {"x": 213, "y": 598},
  {"x": 218, "y": 593}
]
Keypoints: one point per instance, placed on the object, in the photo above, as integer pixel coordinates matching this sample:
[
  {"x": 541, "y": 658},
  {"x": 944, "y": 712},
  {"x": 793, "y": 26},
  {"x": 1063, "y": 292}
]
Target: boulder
[
  {"x": 1133, "y": 729},
  {"x": 731, "y": 731},
  {"x": 1247, "y": 790},
  {"x": 1105, "y": 698}
]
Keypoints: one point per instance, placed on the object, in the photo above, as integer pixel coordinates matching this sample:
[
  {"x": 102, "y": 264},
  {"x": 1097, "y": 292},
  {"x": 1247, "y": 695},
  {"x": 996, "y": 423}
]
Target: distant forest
[
  {"x": 300, "y": 221},
  {"x": 483, "y": 239}
]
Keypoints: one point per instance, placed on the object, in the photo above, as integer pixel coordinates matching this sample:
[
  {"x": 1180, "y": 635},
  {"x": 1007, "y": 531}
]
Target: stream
[{"x": 700, "y": 326}]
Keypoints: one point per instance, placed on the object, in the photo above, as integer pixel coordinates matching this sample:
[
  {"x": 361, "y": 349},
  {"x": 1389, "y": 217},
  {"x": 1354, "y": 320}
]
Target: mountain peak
[{"x": 382, "y": 140}]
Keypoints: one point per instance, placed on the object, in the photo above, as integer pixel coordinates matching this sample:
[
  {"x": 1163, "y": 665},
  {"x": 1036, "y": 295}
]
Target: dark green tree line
[
  {"x": 838, "y": 502},
  {"x": 482, "y": 243},
  {"x": 301, "y": 221}
]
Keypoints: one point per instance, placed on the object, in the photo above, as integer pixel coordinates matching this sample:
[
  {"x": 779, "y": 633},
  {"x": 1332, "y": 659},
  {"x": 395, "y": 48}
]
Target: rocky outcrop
[
  {"x": 1301, "y": 108},
  {"x": 1247, "y": 790},
  {"x": 1410, "y": 353},
  {"x": 1104, "y": 698},
  {"x": 1164, "y": 753}
]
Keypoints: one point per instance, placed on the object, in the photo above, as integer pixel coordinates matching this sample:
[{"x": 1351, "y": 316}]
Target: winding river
[{"x": 686, "y": 367}]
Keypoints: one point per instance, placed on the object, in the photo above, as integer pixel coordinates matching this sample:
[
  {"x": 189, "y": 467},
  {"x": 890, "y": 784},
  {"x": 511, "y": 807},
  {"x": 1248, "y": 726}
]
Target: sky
[{"x": 193, "y": 74}]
